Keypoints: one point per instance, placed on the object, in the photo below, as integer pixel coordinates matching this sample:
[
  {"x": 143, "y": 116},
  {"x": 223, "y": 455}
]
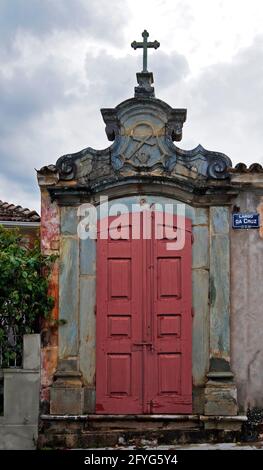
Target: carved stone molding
[
  {"x": 142, "y": 131},
  {"x": 112, "y": 123},
  {"x": 175, "y": 124},
  {"x": 212, "y": 165}
]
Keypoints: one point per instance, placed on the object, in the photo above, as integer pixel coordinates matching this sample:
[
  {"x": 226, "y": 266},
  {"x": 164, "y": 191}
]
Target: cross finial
[{"x": 145, "y": 45}]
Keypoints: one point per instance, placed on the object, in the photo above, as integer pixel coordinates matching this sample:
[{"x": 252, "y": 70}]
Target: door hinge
[
  {"x": 192, "y": 312},
  {"x": 192, "y": 238}
]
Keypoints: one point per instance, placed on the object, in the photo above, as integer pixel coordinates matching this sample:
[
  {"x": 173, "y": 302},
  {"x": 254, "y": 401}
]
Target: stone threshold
[
  {"x": 97, "y": 417},
  {"x": 73, "y": 431},
  {"x": 226, "y": 423}
]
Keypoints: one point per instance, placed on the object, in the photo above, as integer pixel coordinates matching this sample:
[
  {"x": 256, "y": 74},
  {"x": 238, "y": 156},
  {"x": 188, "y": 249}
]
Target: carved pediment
[{"x": 143, "y": 130}]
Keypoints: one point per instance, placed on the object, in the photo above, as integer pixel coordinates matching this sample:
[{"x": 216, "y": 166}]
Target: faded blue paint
[
  {"x": 88, "y": 257},
  {"x": 200, "y": 247},
  {"x": 69, "y": 220},
  {"x": 220, "y": 306},
  {"x": 88, "y": 329},
  {"x": 200, "y": 343},
  {"x": 68, "y": 297},
  {"x": 201, "y": 216},
  {"x": 219, "y": 219},
  {"x": 130, "y": 200}
]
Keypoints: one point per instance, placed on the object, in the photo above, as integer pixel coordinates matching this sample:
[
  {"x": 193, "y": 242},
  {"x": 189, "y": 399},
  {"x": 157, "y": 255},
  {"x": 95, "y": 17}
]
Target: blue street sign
[{"x": 247, "y": 220}]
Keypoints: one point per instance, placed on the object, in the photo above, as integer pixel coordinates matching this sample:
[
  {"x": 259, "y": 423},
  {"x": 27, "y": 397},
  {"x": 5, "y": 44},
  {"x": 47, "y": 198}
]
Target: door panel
[
  {"x": 119, "y": 320},
  {"x": 144, "y": 324},
  {"x": 170, "y": 363}
]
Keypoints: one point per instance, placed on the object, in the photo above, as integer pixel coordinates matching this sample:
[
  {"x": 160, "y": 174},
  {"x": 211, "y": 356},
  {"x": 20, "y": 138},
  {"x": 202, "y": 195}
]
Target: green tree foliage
[{"x": 24, "y": 298}]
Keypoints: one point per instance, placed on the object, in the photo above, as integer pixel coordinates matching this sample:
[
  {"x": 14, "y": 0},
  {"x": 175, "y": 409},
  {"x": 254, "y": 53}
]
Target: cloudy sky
[{"x": 63, "y": 60}]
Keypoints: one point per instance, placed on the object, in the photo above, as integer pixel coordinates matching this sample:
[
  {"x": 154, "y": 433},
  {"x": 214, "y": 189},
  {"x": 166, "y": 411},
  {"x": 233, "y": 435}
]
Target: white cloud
[
  {"x": 58, "y": 70},
  {"x": 204, "y": 31}
]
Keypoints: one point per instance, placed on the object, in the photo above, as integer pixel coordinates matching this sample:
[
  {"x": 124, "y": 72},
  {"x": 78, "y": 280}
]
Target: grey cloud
[
  {"x": 225, "y": 105},
  {"x": 236, "y": 84},
  {"x": 26, "y": 98},
  {"x": 169, "y": 69},
  {"x": 26, "y": 95},
  {"x": 13, "y": 191},
  {"x": 101, "y": 19},
  {"x": 114, "y": 79},
  {"x": 42, "y": 118},
  {"x": 225, "y": 102}
]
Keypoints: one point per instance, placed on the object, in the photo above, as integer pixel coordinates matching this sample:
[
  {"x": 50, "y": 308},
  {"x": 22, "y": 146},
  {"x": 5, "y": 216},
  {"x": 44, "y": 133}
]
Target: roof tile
[{"x": 11, "y": 213}]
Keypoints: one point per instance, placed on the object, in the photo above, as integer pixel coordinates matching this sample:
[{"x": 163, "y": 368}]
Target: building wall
[
  {"x": 19, "y": 423},
  {"x": 29, "y": 234},
  {"x": 78, "y": 292},
  {"x": 50, "y": 244},
  {"x": 247, "y": 304},
  {"x": 77, "y": 270}
]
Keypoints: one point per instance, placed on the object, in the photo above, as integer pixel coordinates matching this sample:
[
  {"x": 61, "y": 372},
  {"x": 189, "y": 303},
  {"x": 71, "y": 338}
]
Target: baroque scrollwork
[
  {"x": 77, "y": 165},
  {"x": 212, "y": 165},
  {"x": 217, "y": 168},
  {"x": 143, "y": 131},
  {"x": 66, "y": 167}
]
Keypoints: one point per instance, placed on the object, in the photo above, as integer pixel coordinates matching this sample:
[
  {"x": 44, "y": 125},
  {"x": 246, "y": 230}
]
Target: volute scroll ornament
[
  {"x": 66, "y": 167},
  {"x": 218, "y": 168}
]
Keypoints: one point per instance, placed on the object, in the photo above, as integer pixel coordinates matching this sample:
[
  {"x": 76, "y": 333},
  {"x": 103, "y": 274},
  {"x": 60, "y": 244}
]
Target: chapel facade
[{"x": 153, "y": 333}]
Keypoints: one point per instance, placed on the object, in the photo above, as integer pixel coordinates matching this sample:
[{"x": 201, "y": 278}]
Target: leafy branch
[{"x": 24, "y": 298}]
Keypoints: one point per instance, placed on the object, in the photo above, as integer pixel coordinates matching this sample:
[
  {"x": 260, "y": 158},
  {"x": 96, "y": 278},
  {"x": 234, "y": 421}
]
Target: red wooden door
[
  {"x": 118, "y": 370},
  {"x": 143, "y": 351},
  {"x": 170, "y": 323}
]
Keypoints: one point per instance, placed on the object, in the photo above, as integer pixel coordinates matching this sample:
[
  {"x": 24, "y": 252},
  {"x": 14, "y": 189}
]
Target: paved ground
[{"x": 222, "y": 446}]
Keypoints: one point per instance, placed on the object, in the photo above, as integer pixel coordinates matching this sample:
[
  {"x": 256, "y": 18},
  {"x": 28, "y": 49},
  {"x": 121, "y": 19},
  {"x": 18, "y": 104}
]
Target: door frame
[{"x": 142, "y": 402}]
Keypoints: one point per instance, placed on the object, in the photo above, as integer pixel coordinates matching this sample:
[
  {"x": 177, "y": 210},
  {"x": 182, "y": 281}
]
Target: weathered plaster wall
[
  {"x": 247, "y": 305},
  {"x": 219, "y": 286},
  {"x": 200, "y": 282},
  {"x": 19, "y": 424},
  {"x": 74, "y": 277},
  {"x": 78, "y": 294},
  {"x": 50, "y": 242}
]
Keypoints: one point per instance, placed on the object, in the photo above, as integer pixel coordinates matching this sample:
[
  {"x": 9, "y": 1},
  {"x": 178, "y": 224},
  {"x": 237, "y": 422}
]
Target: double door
[{"x": 143, "y": 321}]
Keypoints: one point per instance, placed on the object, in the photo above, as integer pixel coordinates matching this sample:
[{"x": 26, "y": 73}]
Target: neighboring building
[
  {"x": 154, "y": 341},
  {"x": 28, "y": 224},
  {"x": 27, "y": 221}
]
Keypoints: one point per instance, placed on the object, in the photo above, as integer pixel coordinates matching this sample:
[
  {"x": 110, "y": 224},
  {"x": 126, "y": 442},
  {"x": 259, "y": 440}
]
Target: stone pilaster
[
  {"x": 67, "y": 392},
  {"x": 220, "y": 391},
  {"x": 88, "y": 321}
]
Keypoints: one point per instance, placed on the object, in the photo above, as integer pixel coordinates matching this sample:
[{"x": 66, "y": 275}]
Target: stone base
[
  {"x": 223, "y": 423},
  {"x": 66, "y": 401},
  {"x": 89, "y": 431},
  {"x": 220, "y": 398},
  {"x": 67, "y": 392}
]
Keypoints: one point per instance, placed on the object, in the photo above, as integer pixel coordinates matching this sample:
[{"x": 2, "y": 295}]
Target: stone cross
[{"x": 145, "y": 45}]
